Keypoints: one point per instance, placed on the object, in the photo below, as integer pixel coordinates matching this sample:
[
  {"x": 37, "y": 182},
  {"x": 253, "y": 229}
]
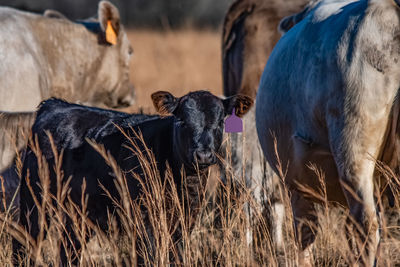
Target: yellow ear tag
[{"x": 111, "y": 36}]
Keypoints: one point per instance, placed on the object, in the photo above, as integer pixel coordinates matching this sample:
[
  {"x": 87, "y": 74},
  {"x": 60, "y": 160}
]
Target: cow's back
[
  {"x": 70, "y": 124},
  {"x": 30, "y": 65},
  {"x": 21, "y": 72}
]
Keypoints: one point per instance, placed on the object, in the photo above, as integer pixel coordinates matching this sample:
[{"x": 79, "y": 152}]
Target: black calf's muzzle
[{"x": 204, "y": 157}]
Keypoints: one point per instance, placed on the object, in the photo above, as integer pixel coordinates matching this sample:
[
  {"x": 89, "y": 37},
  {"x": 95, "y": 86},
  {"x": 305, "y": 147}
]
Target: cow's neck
[{"x": 158, "y": 134}]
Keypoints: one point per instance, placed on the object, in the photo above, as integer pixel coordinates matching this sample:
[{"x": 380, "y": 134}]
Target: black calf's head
[{"x": 199, "y": 122}]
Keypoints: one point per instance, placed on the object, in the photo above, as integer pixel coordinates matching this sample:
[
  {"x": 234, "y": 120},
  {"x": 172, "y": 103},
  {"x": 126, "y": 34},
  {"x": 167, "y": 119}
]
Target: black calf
[{"x": 189, "y": 136}]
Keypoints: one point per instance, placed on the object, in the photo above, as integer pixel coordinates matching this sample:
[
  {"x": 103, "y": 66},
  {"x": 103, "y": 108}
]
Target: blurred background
[
  {"x": 176, "y": 42},
  {"x": 139, "y": 13}
]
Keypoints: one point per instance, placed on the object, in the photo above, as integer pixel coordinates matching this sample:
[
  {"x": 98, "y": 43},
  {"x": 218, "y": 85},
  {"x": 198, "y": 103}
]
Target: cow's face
[
  {"x": 199, "y": 123},
  {"x": 116, "y": 90},
  {"x": 124, "y": 92}
]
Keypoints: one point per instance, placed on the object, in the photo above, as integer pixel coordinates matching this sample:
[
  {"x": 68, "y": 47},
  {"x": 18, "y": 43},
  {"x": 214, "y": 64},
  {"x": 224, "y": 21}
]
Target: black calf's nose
[{"x": 205, "y": 157}]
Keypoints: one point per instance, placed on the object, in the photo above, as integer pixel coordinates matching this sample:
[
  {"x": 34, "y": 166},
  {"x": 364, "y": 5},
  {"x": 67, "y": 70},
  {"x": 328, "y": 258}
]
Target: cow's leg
[
  {"x": 363, "y": 219},
  {"x": 239, "y": 155},
  {"x": 274, "y": 208},
  {"x": 279, "y": 217},
  {"x": 278, "y": 226},
  {"x": 304, "y": 213},
  {"x": 311, "y": 165},
  {"x": 354, "y": 154},
  {"x": 305, "y": 222}
]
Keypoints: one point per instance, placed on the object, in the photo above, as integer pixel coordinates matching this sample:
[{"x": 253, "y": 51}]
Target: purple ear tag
[{"x": 233, "y": 124}]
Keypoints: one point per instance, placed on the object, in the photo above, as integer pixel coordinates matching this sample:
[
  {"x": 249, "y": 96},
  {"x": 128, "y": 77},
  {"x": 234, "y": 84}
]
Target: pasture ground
[{"x": 180, "y": 62}]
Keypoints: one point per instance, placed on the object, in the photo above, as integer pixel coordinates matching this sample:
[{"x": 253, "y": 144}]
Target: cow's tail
[
  {"x": 14, "y": 132},
  {"x": 390, "y": 153},
  {"x": 233, "y": 44}
]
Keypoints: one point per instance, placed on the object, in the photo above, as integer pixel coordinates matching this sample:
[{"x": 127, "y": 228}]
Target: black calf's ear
[
  {"x": 240, "y": 103},
  {"x": 164, "y": 102}
]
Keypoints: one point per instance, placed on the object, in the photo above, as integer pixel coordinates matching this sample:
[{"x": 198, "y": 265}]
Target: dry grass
[
  {"x": 178, "y": 62},
  {"x": 165, "y": 231}
]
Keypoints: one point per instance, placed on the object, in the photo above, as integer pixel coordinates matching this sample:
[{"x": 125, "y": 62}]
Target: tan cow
[
  {"x": 48, "y": 55},
  {"x": 249, "y": 34}
]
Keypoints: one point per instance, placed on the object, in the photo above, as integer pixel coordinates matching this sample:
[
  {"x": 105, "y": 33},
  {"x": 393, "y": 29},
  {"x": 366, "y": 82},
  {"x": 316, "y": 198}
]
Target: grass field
[{"x": 181, "y": 62}]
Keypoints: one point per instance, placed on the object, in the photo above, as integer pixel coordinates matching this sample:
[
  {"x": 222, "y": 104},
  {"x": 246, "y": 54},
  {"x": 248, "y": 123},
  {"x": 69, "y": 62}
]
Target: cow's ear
[
  {"x": 109, "y": 19},
  {"x": 164, "y": 102},
  {"x": 54, "y": 14},
  {"x": 240, "y": 103}
]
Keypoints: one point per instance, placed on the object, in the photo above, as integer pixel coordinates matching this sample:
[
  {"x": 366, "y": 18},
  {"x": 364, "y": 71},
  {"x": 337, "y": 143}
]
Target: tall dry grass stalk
[{"x": 159, "y": 228}]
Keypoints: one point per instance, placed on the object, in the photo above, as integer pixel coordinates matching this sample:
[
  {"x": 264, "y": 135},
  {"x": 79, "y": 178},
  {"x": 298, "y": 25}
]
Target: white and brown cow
[
  {"x": 328, "y": 95},
  {"x": 48, "y": 55}
]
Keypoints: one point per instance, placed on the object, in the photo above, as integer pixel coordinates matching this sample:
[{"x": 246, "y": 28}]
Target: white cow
[
  {"x": 327, "y": 94},
  {"x": 48, "y": 55}
]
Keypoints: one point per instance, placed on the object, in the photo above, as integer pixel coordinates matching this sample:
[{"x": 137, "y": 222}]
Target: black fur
[{"x": 195, "y": 127}]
